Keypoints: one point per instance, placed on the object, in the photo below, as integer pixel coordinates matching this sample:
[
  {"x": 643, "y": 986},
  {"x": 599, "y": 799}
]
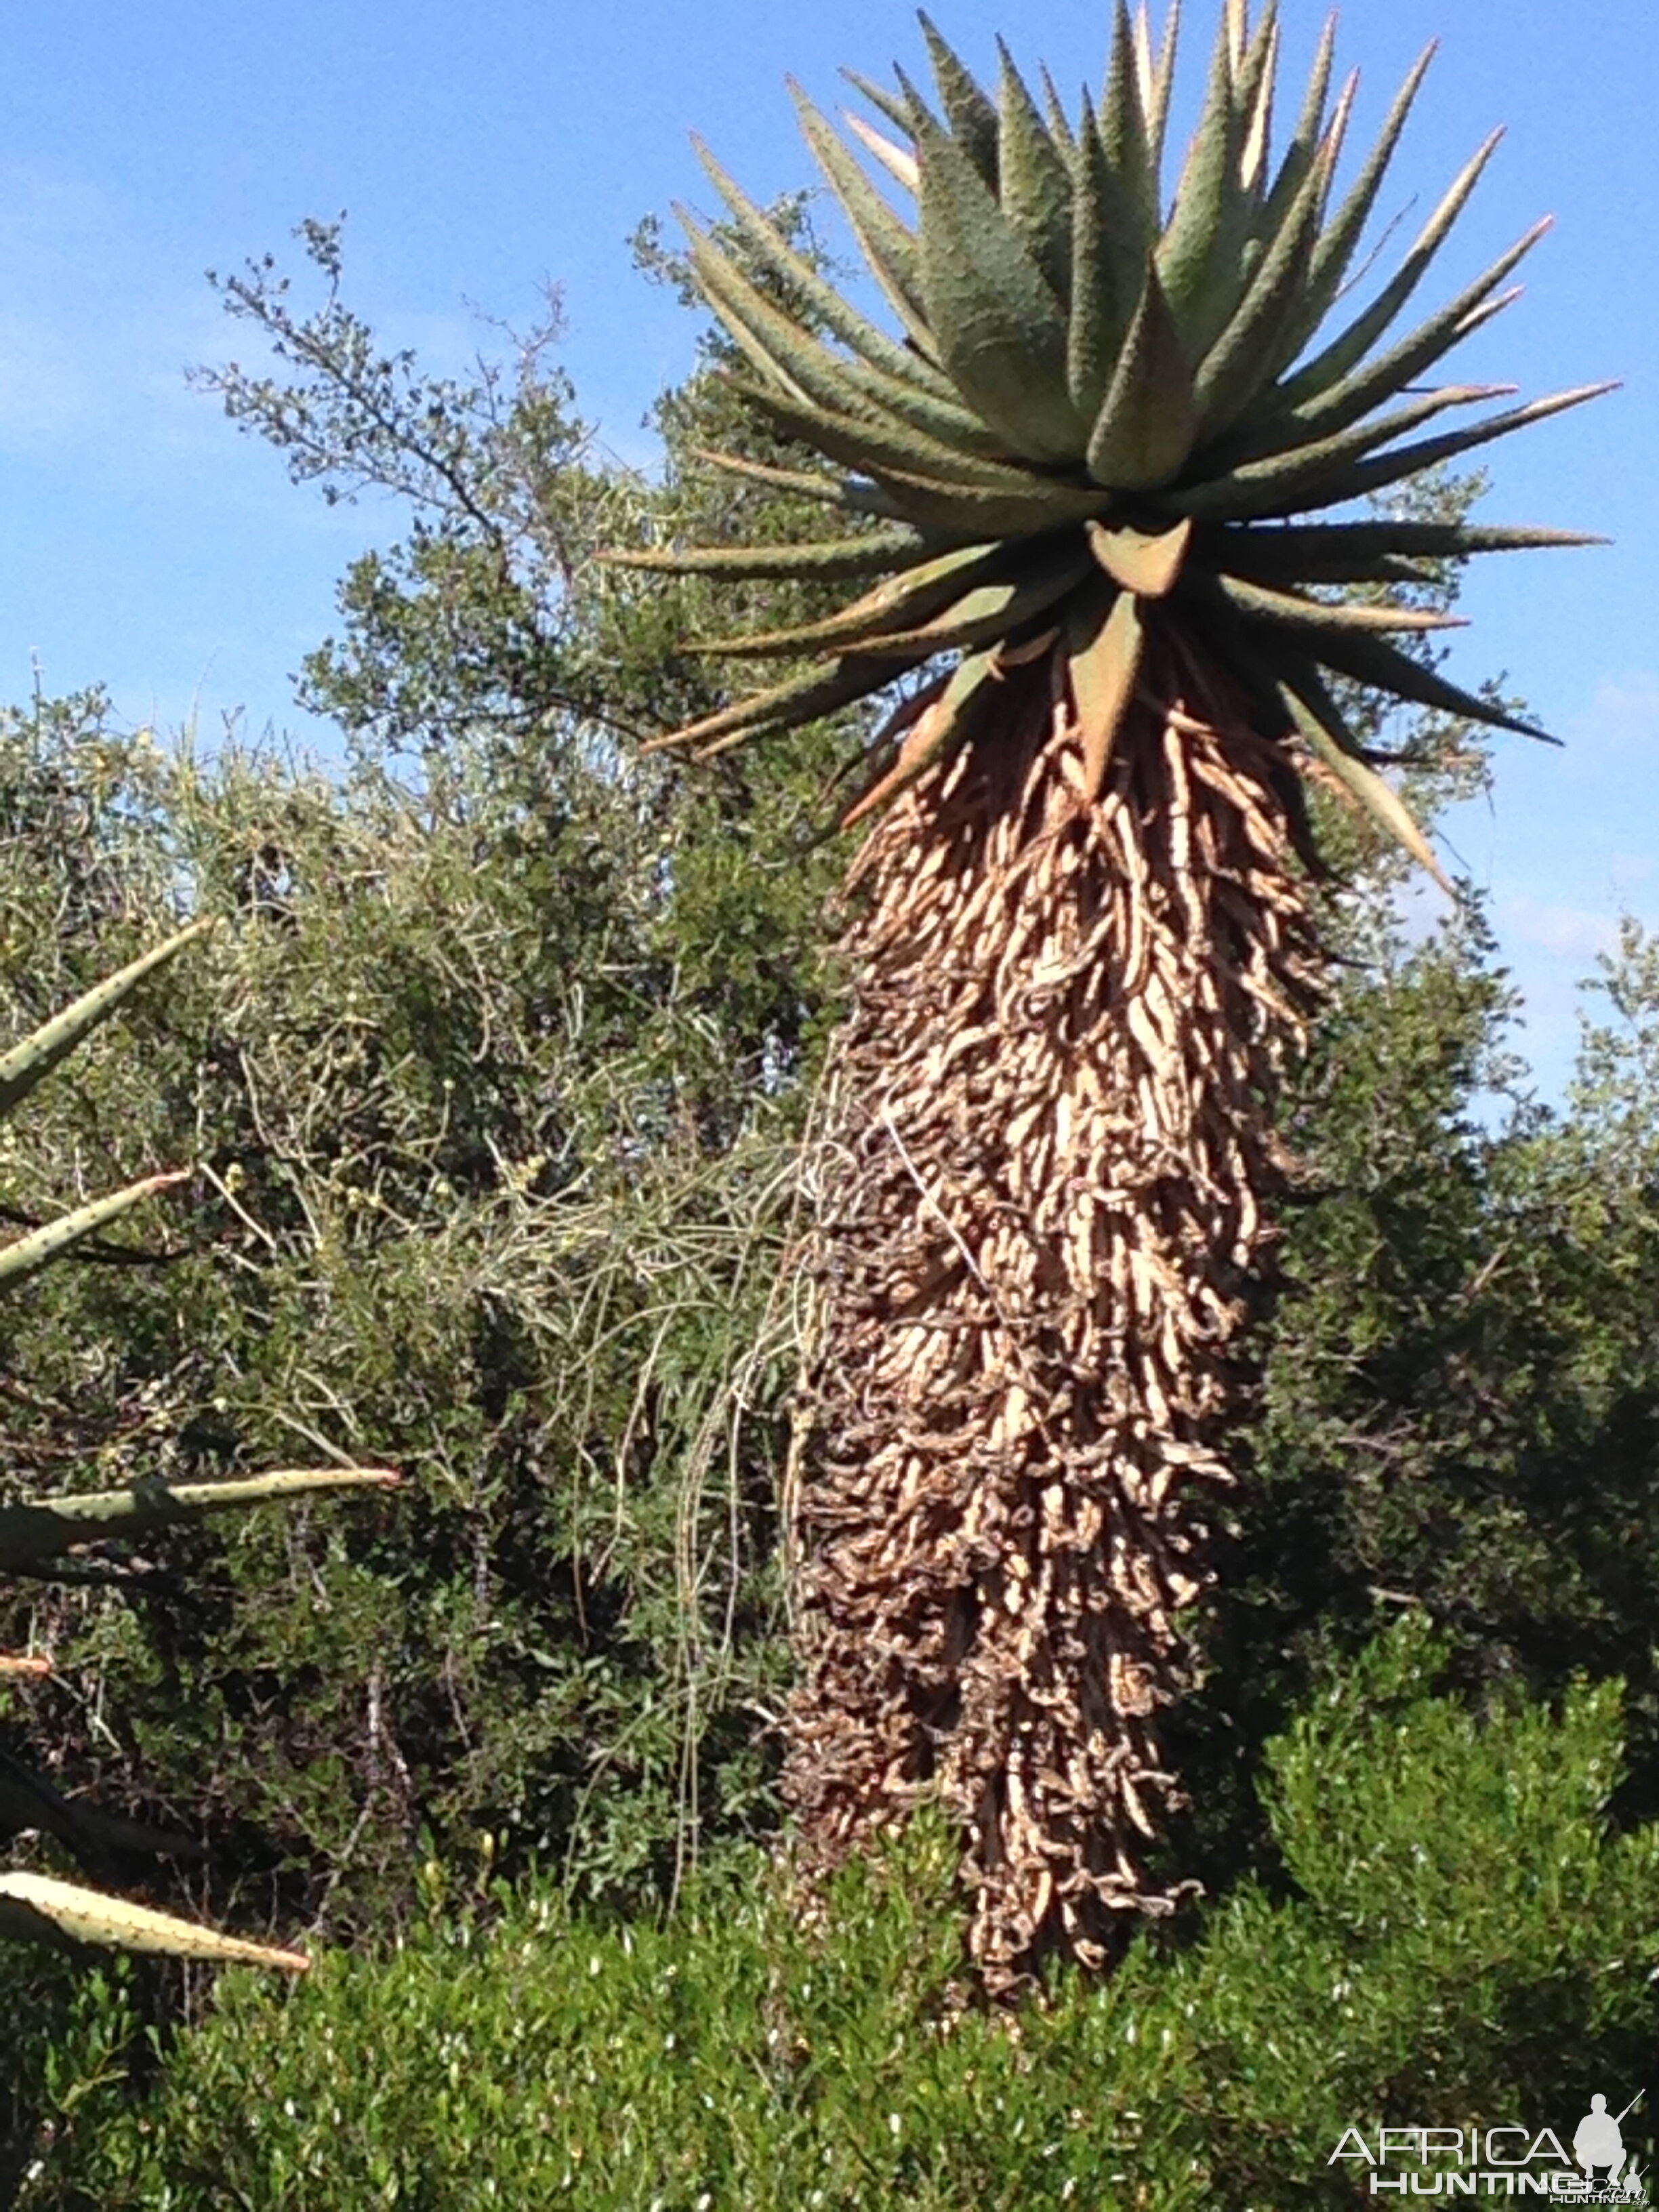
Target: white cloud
[
  {"x": 1623, "y": 711},
  {"x": 1566, "y": 933}
]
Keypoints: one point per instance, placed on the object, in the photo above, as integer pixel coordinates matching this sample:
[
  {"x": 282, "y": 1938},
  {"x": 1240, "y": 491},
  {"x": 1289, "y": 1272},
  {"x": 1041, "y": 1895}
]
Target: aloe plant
[
  {"x": 1097, "y": 475},
  {"x": 36, "y": 1531}
]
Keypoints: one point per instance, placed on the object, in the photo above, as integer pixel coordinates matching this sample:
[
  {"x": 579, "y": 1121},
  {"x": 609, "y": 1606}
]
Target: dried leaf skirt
[{"x": 1044, "y": 1146}]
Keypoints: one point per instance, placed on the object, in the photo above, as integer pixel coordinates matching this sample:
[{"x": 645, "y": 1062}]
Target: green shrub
[{"x": 1461, "y": 1941}]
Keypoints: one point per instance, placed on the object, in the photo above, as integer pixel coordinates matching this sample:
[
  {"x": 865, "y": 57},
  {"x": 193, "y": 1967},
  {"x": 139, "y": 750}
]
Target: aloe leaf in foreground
[
  {"x": 28, "y": 1063},
  {"x": 45, "y": 1528},
  {"x": 35, "y": 1908}
]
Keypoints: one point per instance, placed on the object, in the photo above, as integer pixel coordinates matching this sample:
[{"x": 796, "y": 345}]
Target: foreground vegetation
[{"x": 1453, "y": 1932}]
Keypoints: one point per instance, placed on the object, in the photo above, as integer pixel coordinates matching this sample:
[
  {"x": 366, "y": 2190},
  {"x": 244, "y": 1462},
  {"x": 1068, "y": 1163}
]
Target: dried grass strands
[{"x": 1044, "y": 1146}]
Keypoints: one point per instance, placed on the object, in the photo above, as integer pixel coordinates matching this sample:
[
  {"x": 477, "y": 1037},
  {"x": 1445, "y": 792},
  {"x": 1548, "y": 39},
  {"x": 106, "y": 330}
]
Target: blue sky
[{"x": 482, "y": 149}]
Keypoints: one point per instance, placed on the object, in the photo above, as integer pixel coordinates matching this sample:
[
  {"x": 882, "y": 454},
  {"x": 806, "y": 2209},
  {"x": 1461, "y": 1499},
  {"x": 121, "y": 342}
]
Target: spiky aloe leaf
[
  {"x": 1330, "y": 265},
  {"x": 822, "y": 302},
  {"x": 869, "y": 443},
  {"x": 1107, "y": 269},
  {"x": 804, "y": 484},
  {"x": 45, "y": 1528},
  {"x": 905, "y": 599},
  {"x": 42, "y": 1245},
  {"x": 1291, "y": 610},
  {"x": 1374, "y": 661},
  {"x": 1232, "y": 371},
  {"x": 31, "y": 1062},
  {"x": 1035, "y": 190},
  {"x": 808, "y": 370},
  {"x": 34, "y": 1908},
  {"x": 1320, "y": 549},
  {"x": 990, "y": 613},
  {"x": 900, "y": 165},
  {"x": 1148, "y": 420},
  {"x": 888, "y": 247},
  {"x": 1126, "y": 132},
  {"x": 1352, "y": 398},
  {"x": 1302, "y": 149},
  {"x": 940, "y": 727},
  {"x": 1149, "y": 564},
  {"x": 1368, "y": 477},
  {"x": 1198, "y": 254},
  {"x": 803, "y": 698},
  {"x": 999, "y": 328},
  {"x": 970, "y": 511},
  {"x": 1103, "y": 654},
  {"x": 972, "y": 118},
  {"x": 1322, "y": 474},
  {"x": 834, "y": 559},
  {"x": 1320, "y": 723}
]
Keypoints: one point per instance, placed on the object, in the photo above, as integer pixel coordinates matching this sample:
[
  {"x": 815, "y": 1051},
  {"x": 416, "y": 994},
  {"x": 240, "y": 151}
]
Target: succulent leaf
[
  {"x": 941, "y": 726},
  {"x": 908, "y": 598},
  {"x": 1146, "y": 563},
  {"x": 971, "y": 113},
  {"x": 1354, "y": 396},
  {"x": 1305, "y": 142},
  {"x": 36, "y": 1909},
  {"x": 42, "y": 1245},
  {"x": 1321, "y": 474},
  {"x": 885, "y": 243},
  {"x": 1291, "y": 611},
  {"x": 1320, "y": 723},
  {"x": 805, "y": 484},
  {"x": 29, "y": 1063},
  {"x": 975, "y": 510},
  {"x": 1107, "y": 269},
  {"x": 1034, "y": 191},
  {"x": 1125, "y": 129},
  {"x": 1198, "y": 255},
  {"x": 1148, "y": 420},
  {"x": 46, "y": 1528},
  {"x": 801, "y": 698},
  {"x": 899, "y": 165},
  {"x": 872, "y": 443},
  {"x": 836, "y": 314},
  {"x": 989, "y": 611},
  {"x": 1331, "y": 262},
  {"x": 1385, "y": 668},
  {"x": 831, "y": 560},
  {"x": 1104, "y": 652}
]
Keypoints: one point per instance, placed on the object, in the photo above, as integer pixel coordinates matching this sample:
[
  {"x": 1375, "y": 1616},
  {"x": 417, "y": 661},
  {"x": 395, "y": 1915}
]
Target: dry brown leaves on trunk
[{"x": 1047, "y": 1142}]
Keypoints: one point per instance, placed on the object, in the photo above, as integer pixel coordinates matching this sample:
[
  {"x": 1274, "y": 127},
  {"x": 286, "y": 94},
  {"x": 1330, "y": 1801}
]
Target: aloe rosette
[
  {"x": 1124, "y": 482},
  {"x": 36, "y": 1531},
  {"x": 1098, "y": 420}
]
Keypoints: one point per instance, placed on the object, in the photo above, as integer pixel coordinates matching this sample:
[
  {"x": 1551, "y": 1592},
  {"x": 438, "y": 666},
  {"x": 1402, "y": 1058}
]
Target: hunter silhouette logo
[
  {"x": 1508, "y": 2161},
  {"x": 1598, "y": 2142}
]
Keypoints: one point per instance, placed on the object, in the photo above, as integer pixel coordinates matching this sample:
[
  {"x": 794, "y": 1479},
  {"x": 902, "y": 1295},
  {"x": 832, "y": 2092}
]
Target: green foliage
[
  {"x": 1463, "y": 1943},
  {"x": 1458, "y": 1394},
  {"x": 491, "y": 1188}
]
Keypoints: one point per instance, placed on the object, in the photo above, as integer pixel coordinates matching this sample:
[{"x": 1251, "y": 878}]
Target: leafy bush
[{"x": 1463, "y": 1942}]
